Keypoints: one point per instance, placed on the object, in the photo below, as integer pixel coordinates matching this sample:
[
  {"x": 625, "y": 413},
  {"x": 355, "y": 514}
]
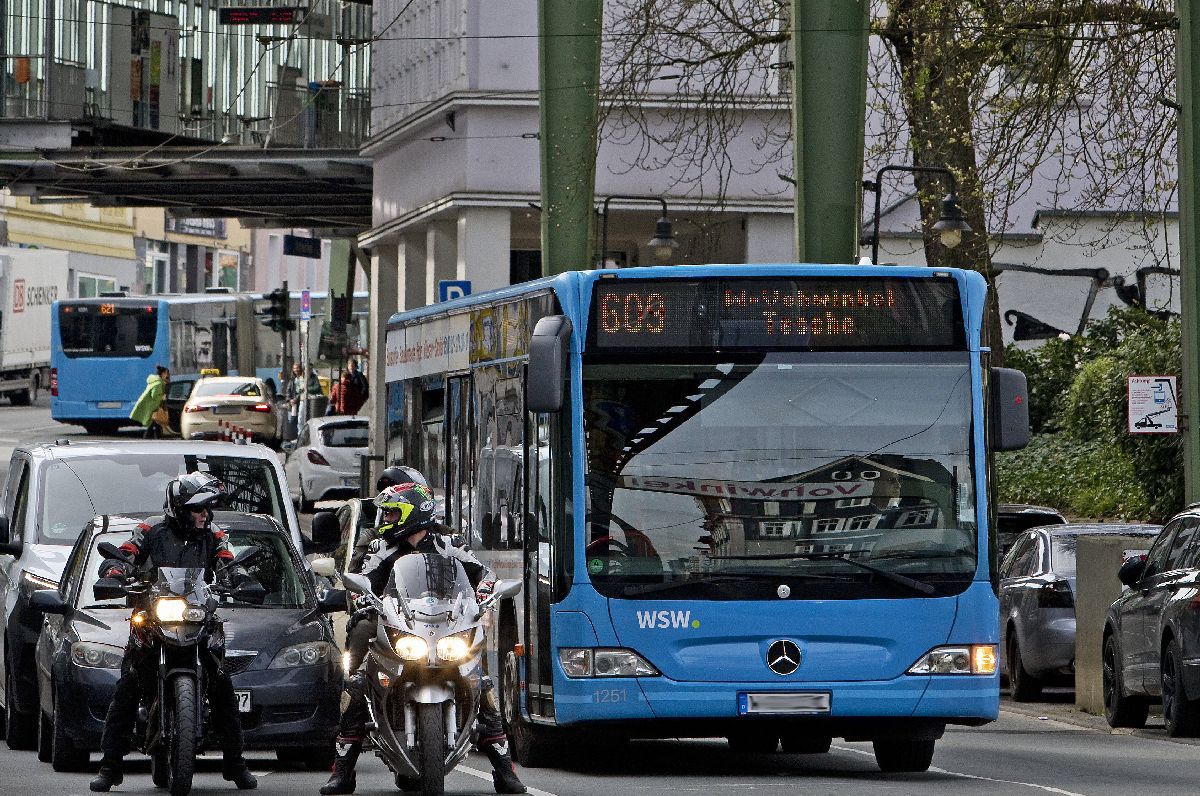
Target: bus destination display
[{"x": 807, "y": 313}]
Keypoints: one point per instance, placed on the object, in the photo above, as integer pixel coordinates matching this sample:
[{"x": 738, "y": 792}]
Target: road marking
[
  {"x": 936, "y": 770},
  {"x": 487, "y": 776}
]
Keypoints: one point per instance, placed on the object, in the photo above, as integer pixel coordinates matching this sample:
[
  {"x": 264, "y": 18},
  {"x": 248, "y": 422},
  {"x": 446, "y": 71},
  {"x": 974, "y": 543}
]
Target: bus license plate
[
  {"x": 109, "y": 405},
  {"x": 243, "y": 701},
  {"x": 779, "y": 703}
]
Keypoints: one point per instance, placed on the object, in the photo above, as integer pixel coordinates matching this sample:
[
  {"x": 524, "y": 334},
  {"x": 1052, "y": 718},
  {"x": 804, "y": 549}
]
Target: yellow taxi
[{"x": 218, "y": 402}]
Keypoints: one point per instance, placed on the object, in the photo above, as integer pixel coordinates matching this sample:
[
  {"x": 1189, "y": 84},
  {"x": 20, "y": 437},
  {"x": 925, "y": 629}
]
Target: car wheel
[
  {"x": 1119, "y": 710},
  {"x": 1025, "y": 687},
  {"x": 895, "y": 755},
  {"x": 64, "y": 756},
  {"x": 1180, "y": 714},
  {"x": 22, "y": 727}
]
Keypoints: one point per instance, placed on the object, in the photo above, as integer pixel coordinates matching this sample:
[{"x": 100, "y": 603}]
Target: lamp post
[
  {"x": 951, "y": 224},
  {"x": 662, "y": 244}
]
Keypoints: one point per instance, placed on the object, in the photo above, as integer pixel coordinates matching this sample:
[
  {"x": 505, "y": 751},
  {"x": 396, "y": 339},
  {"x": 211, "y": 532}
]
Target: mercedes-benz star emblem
[{"x": 783, "y": 657}]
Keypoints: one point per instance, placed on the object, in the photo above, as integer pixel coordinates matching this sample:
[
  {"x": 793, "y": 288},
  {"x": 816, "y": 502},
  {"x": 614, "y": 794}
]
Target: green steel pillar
[
  {"x": 829, "y": 98},
  {"x": 569, "y": 79},
  {"x": 1188, "y": 69}
]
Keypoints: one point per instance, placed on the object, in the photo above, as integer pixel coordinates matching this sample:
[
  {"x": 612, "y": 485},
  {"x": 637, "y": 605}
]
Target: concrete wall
[{"x": 1096, "y": 587}]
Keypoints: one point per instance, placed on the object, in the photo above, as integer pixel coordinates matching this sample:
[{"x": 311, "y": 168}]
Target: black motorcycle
[{"x": 175, "y": 619}]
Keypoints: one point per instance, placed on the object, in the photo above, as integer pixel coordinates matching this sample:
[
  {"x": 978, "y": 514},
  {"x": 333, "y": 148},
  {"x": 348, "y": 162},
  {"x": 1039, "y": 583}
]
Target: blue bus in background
[
  {"x": 745, "y": 501},
  {"x": 102, "y": 349}
]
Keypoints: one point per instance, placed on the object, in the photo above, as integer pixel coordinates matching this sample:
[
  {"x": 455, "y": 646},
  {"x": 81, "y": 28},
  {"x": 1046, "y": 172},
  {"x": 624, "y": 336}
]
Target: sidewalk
[{"x": 1063, "y": 710}]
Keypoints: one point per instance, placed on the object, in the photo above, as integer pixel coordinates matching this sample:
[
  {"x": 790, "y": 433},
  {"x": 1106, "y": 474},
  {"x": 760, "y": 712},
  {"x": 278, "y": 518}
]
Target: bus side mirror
[
  {"x": 1009, "y": 408},
  {"x": 548, "y": 350}
]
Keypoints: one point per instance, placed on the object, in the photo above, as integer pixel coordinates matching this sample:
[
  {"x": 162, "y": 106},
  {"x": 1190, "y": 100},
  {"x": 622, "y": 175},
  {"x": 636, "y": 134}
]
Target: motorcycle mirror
[
  {"x": 356, "y": 583},
  {"x": 107, "y": 589},
  {"x": 332, "y": 601},
  {"x": 325, "y": 567},
  {"x": 109, "y": 550},
  {"x": 506, "y": 588},
  {"x": 241, "y": 558}
]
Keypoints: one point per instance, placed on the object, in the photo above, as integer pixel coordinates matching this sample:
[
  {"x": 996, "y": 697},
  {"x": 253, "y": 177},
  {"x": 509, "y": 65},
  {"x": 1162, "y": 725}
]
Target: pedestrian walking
[
  {"x": 148, "y": 411},
  {"x": 345, "y": 398}
]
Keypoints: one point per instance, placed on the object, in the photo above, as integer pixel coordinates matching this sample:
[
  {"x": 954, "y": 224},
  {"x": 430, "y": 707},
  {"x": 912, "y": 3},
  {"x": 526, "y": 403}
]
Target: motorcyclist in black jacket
[
  {"x": 407, "y": 525},
  {"x": 186, "y": 537}
]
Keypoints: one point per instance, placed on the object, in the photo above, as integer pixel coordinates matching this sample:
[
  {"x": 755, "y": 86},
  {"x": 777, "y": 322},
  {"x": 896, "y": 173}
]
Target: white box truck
[{"x": 30, "y": 281}]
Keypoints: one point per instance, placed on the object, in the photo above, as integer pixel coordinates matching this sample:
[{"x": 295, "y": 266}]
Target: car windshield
[
  {"x": 75, "y": 490},
  {"x": 206, "y": 389},
  {"x": 774, "y": 469},
  {"x": 345, "y": 435}
]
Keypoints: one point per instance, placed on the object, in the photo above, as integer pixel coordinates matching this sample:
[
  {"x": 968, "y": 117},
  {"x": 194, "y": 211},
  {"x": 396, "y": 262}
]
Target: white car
[{"x": 323, "y": 462}]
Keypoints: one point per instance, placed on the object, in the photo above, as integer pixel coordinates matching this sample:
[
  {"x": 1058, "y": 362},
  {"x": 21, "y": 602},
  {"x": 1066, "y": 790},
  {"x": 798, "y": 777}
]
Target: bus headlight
[
  {"x": 452, "y": 648},
  {"x": 973, "y": 659},
  {"x": 170, "y": 609},
  {"x": 412, "y": 648},
  {"x": 604, "y": 662}
]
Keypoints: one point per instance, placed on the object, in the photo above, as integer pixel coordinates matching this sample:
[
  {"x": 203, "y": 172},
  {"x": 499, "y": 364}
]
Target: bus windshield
[
  {"x": 76, "y": 489},
  {"x": 107, "y": 330},
  {"x": 780, "y": 472}
]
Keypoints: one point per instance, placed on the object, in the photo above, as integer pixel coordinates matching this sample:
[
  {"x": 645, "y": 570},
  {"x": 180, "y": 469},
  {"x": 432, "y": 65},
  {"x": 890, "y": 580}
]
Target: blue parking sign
[{"x": 450, "y": 289}]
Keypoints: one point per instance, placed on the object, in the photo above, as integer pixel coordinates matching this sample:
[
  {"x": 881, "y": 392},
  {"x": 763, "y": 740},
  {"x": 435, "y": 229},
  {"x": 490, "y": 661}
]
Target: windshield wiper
[{"x": 910, "y": 583}]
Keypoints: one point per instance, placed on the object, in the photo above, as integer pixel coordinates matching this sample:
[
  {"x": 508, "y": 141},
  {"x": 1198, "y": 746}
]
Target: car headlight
[
  {"x": 37, "y": 582},
  {"x": 412, "y": 648},
  {"x": 972, "y": 659},
  {"x": 308, "y": 654},
  {"x": 604, "y": 662},
  {"x": 453, "y": 648},
  {"x": 96, "y": 656},
  {"x": 170, "y": 609}
]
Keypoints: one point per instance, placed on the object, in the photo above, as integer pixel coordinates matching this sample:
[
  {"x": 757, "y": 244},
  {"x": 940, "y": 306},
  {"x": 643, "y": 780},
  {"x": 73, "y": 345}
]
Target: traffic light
[{"x": 275, "y": 316}]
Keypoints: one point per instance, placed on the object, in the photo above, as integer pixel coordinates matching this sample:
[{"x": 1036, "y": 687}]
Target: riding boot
[
  {"x": 504, "y": 773},
  {"x": 236, "y": 771},
  {"x": 108, "y": 777},
  {"x": 342, "y": 780}
]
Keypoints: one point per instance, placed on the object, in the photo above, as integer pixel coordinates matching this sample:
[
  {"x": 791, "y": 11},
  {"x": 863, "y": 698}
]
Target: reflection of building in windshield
[{"x": 842, "y": 506}]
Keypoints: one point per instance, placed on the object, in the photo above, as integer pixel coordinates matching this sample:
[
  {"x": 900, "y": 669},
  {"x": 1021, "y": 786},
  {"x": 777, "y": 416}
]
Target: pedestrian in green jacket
[{"x": 151, "y": 400}]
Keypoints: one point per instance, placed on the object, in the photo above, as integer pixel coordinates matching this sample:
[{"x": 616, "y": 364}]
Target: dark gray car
[
  {"x": 1152, "y": 633},
  {"x": 1037, "y": 602}
]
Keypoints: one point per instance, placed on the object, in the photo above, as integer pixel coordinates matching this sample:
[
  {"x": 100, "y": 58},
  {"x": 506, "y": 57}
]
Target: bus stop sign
[{"x": 449, "y": 289}]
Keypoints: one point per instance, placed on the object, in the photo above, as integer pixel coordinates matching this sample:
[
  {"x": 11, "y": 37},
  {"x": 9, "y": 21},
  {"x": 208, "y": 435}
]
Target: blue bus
[
  {"x": 747, "y": 501},
  {"x": 102, "y": 349}
]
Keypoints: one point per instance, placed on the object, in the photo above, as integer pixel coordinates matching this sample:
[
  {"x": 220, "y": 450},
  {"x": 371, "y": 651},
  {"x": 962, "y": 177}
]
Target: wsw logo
[{"x": 666, "y": 620}]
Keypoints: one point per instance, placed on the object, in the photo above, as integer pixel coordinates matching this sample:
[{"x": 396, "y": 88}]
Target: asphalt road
[{"x": 1032, "y": 748}]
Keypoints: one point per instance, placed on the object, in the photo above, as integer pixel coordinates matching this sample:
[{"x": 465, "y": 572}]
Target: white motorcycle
[{"x": 424, "y": 666}]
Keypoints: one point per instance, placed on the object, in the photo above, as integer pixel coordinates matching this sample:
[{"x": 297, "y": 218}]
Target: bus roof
[{"x": 579, "y": 282}]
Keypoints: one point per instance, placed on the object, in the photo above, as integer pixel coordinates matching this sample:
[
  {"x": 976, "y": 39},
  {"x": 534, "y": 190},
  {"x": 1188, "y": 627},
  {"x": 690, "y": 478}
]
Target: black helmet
[
  {"x": 399, "y": 474},
  {"x": 192, "y": 491},
  {"x": 415, "y": 505}
]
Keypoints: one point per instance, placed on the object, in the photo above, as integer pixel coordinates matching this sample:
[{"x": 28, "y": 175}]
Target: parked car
[
  {"x": 55, "y": 489},
  {"x": 1151, "y": 641},
  {"x": 1012, "y": 519},
  {"x": 243, "y": 401},
  {"x": 281, "y": 655},
  {"x": 323, "y": 463},
  {"x": 1037, "y": 602}
]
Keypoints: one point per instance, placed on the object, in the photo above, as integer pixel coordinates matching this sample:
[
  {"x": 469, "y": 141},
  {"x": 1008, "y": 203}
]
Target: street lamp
[
  {"x": 662, "y": 245},
  {"x": 950, "y": 225}
]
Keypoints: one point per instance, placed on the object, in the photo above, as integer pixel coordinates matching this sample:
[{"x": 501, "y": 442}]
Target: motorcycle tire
[
  {"x": 181, "y": 746},
  {"x": 431, "y": 740}
]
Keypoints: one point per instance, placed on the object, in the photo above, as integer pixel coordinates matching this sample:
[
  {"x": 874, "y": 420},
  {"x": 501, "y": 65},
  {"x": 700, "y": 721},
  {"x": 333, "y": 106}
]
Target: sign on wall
[{"x": 1153, "y": 407}]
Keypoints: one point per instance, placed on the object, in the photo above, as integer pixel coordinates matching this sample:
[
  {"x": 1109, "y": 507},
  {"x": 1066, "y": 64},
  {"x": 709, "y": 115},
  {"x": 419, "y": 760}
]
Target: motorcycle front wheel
[
  {"x": 181, "y": 748},
  {"x": 431, "y": 739}
]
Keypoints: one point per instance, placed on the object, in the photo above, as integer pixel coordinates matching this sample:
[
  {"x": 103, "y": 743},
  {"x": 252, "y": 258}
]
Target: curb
[{"x": 1069, "y": 714}]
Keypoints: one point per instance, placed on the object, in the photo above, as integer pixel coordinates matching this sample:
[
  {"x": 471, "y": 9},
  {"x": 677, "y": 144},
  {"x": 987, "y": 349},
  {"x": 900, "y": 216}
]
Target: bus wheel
[
  {"x": 530, "y": 745},
  {"x": 896, "y": 755}
]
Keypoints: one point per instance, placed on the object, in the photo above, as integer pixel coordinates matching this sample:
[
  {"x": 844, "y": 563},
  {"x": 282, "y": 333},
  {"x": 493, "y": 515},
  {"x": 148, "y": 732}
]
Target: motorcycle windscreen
[
  {"x": 428, "y": 576},
  {"x": 184, "y": 581}
]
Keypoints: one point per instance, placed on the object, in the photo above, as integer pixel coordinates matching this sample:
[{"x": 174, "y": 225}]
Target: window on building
[{"x": 92, "y": 285}]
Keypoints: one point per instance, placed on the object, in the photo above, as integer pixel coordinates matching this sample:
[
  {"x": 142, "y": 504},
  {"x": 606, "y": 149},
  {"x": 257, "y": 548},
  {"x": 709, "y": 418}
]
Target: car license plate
[
  {"x": 243, "y": 701},
  {"x": 109, "y": 404},
  {"x": 226, "y": 410},
  {"x": 783, "y": 703}
]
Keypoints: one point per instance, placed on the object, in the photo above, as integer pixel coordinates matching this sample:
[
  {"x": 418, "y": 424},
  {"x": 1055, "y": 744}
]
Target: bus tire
[
  {"x": 530, "y": 745},
  {"x": 899, "y": 755}
]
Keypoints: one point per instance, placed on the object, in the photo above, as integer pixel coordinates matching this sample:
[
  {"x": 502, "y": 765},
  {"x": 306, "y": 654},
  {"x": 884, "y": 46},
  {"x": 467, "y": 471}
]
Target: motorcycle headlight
[
  {"x": 96, "y": 656},
  {"x": 170, "y": 609},
  {"x": 307, "y": 654},
  {"x": 412, "y": 648},
  {"x": 453, "y": 648}
]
